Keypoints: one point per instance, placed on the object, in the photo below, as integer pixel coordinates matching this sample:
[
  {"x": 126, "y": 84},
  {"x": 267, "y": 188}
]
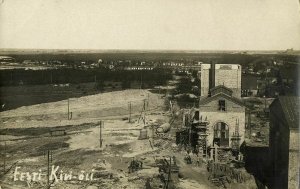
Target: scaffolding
[{"x": 235, "y": 138}]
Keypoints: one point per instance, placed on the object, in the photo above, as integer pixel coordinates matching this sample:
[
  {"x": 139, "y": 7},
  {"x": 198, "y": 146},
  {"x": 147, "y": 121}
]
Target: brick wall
[
  {"x": 204, "y": 82},
  {"x": 232, "y": 113},
  {"x": 229, "y": 78}
]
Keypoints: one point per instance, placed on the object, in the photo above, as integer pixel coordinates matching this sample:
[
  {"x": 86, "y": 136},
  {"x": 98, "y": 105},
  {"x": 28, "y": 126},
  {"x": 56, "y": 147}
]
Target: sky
[{"x": 150, "y": 24}]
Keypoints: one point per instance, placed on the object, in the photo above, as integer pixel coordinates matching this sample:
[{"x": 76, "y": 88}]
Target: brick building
[
  {"x": 212, "y": 75},
  {"x": 225, "y": 115},
  {"x": 284, "y": 142}
]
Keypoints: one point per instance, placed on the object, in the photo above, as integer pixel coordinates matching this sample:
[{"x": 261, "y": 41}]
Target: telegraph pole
[
  {"x": 100, "y": 133},
  {"x": 4, "y": 159},
  {"x": 129, "y": 119},
  {"x": 148, "y": 98},
  {"x": 144, "y": 109},
  {"x": 48, "y": 169},
  {"x": 68, "y": 109}
]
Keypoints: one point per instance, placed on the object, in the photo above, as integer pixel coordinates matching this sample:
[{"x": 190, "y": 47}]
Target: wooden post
[
  {"x": 4, "y": 159},
  {"x": 48, "y": 169},
  {"x": 68, "y": 109},
  {"x": 100, "y": 132},
  {"x": 148, "y": 98},
  {"x": 144, "y": 110},
  {"x": 129, "y": 119}
]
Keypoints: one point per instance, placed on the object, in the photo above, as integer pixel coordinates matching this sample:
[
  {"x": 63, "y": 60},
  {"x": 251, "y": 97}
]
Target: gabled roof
[
  {"x": 290, "y": 109},
  {"x": 221, "y": 89},
  {"x": 223, "y": 95}
]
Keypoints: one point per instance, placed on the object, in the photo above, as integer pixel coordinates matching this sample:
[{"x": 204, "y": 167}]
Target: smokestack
[{"x": 212, "y": 75}]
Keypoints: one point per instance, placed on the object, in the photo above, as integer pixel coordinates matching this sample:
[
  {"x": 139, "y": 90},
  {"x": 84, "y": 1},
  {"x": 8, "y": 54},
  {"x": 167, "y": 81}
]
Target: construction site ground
[{"x": 26, "y": 141}]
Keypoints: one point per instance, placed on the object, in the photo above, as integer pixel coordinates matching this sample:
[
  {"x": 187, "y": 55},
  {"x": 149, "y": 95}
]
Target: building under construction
[{"x": 219, "y": 122}]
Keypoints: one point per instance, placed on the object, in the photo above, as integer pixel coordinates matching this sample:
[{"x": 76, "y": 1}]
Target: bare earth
[{"x": 28, "y": 141}]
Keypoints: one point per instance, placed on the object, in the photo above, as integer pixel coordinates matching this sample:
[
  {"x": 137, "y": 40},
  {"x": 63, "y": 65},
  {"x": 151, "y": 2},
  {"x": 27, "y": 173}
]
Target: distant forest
[
  {"x": 74, "y": 76},
  {"x": 221, "y": 58}
]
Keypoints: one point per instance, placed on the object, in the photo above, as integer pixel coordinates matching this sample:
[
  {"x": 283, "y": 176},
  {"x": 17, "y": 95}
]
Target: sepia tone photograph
[{"x": 149, "y": 94}]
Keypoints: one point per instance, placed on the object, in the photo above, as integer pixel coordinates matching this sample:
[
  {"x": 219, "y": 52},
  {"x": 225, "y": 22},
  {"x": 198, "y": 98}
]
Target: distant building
[
  {"x": 229, "y": 75},
  {"x": 284, "y": 142},
  {"x": 225, "y": 115},
  {"x": 6, "y": 59}
]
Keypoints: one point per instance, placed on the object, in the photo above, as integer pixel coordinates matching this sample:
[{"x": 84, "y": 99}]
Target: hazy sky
[{"x": 150, "y": 24}]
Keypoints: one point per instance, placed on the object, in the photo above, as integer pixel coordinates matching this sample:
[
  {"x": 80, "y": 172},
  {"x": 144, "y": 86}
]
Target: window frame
[{"x": 221, "y": 106}]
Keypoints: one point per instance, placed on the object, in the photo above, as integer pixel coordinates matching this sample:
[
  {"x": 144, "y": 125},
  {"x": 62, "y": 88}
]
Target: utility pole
[
  {"x": 144, "y": 110},
  {"x": 68, "y": 109},
  {"x": 4, "y": 159},
  {"x": 48, "y": 169},
  {"x": 148, "y": 97},
  {"x": 100, "y": 133},
  {"x": 129, "y": 119}
]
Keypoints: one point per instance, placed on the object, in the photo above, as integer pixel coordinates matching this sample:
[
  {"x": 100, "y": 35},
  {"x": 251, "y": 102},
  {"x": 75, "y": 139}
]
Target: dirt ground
[{"x": 76, "y": 158}]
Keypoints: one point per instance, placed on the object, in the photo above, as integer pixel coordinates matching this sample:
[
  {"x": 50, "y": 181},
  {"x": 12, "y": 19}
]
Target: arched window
[{"x": 221, "y": 134}]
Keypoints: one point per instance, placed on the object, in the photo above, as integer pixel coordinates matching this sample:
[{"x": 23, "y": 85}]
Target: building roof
[
  {"x": 290, "y": 108},
  {"x": 223, "y": 91}
]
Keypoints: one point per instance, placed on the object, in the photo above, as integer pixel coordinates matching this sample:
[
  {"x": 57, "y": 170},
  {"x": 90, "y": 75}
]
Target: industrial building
[
  {"x": 225, "y": 117},
  {"x": 212, "y": 75},
  {"x": 284, "y": 142}
]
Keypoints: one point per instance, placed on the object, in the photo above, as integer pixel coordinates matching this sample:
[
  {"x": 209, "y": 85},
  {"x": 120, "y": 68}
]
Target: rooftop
[{"x": 290, "y": 107}]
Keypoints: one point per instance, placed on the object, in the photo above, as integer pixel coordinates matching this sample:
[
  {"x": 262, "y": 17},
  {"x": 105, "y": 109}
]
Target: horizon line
[{"x": 143, "y": 50}]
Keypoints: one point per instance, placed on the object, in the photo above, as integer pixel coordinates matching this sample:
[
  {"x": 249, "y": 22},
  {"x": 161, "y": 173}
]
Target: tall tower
[
  {"x": 229, "y": 75},
  {"x": 212, "y": 75},
  {"x": 204, "y": 79}
]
